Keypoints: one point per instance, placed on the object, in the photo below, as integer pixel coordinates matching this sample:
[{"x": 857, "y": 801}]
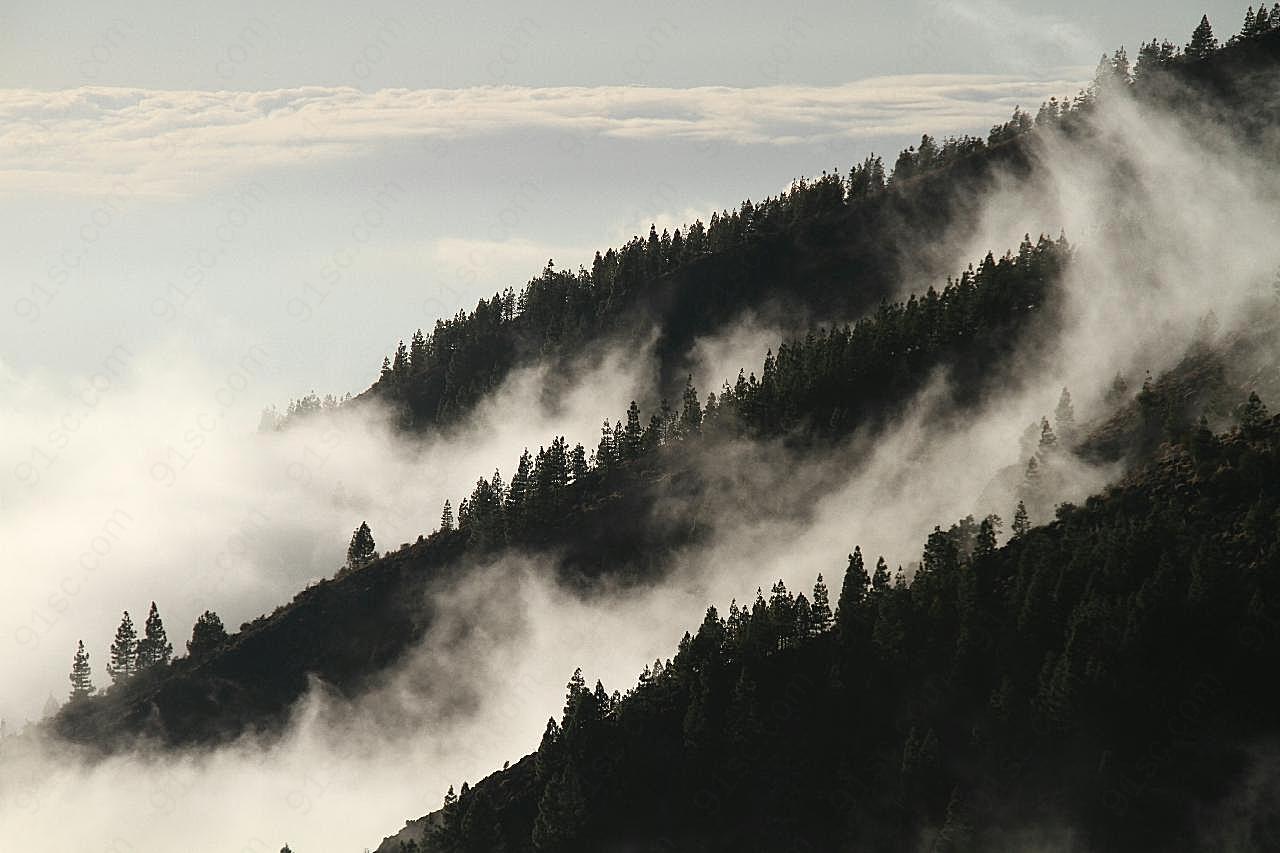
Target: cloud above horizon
[{"x": 95, "y": 140}]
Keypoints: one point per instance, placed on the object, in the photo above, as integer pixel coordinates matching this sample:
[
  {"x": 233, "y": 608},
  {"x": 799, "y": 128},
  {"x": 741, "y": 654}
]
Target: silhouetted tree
[
  {"x": 1064, "y": 419},
  {"x": 1021, "y": 521},
  {"x": 81, "y": 675},
  {"x": 853, "y": 591},
  {"x": 1202, "y": 42},
  {"x": 123, "y": 664},
  {"x": 207, "y": 636},
  {"x": 1253, "y": 414},
  {"x": 362, "y": 550},
  {"x": 822, "y": 616},
  {"x": 154, "y": 647}
]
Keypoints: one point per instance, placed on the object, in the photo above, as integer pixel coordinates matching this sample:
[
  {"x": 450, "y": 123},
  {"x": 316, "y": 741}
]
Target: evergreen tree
[
  {"x": 578, "y": 467},
  {"x": 985, "y": 543},
  {"x": 853, "y": 591},
  {"x": 81, "y": 674},
  {"x": 1253, "y": 414},
  {"x": 400, "y": 364},
  {"x": 690, "y": 412},
  {"x": 154, "y": 647},
  {"x": 362, "y": 550},
  {"x": 561, "y": 812},
  {"x": 880, "y": 578},
  {"x": 446, "y": 835},
  {"x": 207, "y": 636},
  {"x": 1202, "y": 43},
  {"x": 418, "y": 352},
  {"x": 1249, "y": 29},
  {"x": 821, "y": 607},
  {"x": 803, "y": 617},
  {"x": 1021, "y": 521},
  {"x": 1048, "y": 443},
  {"x": 446, "y": 516},
  {"x": 521, "y": 484},
  {"x": 123, "y": 664},
  {"x": 633, "y": 435},
  {"x": 1064, "y": 418}
]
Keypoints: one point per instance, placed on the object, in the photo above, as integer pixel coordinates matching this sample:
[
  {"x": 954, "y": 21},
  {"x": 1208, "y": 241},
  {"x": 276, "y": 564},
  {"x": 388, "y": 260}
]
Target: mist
[
  {"x": 149, "y": 481},
  {"x": 248, "y": 519}
]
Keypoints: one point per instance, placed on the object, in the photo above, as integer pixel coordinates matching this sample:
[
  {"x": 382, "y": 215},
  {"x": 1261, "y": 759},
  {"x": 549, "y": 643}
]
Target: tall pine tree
[
  {"x": 207, "y": 636},
  {"x": 1202, "y": 42},
  {"x": 362, "y": 550},
  {"x": 123, "y": 664},
  {"x": 81, "y": 674},
  {"x": 154, "y": 648}
]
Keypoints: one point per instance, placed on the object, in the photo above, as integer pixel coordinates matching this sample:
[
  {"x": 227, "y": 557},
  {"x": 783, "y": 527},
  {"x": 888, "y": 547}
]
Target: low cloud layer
[
  {"x": 150, "y": 142},
  {"x": 147, "y": 482}
]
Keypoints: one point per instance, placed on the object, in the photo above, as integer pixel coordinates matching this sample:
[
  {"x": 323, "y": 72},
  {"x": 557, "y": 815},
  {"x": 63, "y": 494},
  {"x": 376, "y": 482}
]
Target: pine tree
[
  {"x": 1120, "y": 70},
  {"x": 362, "y": 550},
  {"x": 803, "y": 616},
  {"x": 691, "y": 411},
  {"x": 633, "y": 436},
  {"x": 880, "y": 578},
  {"x": 1048, "y": 442},
  {"x": 986, "y": 541},
  {"x": 821, "y": 607},
  {"x": 1249, "y": 29},
  {"x": 1148, "y": 59},
  {"x": 1032, "y": 477},
  {"x": 81, "y": 674},
  {"x": 578, "y": 463},
  {"x": 446, "y": 516},
  {"x": 1021, "y": 521},
  {"x": 207, "y": 636},
  {"x": 1253, "y": 414},
  {"x": 154, "y": 648},
  {"x": 400, "y": 364},
  {"x": 1064, "y": 418},
  {"x": 853, "y": 591},
  {"x": 445, "y": 835},
  {"x": 518, "y": 493},
  {"x": 1202, "y": 43},
  {"x": 418, "y": 352},
  {"x": 124, "y": 652}
]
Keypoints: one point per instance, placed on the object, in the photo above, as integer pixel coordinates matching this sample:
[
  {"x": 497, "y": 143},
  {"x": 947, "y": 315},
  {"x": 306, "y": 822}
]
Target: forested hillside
[
  {"x": 1098, "y": 683},
  {"x": 592, "y": 512}
]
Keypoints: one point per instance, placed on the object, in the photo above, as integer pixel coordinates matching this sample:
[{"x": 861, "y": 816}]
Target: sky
[{"x": 215, "y": 208}]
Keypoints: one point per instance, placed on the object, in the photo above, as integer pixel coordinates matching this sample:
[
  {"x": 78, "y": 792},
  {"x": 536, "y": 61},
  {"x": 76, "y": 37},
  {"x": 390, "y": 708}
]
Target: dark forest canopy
[{"x": 1097, "y": 682}]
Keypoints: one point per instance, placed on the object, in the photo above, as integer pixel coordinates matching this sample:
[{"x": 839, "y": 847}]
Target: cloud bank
[{"x": 98, "y": 139}]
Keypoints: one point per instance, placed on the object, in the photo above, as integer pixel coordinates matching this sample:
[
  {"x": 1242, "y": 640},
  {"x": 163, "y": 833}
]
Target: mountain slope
[
  {"x": 602, "y": 518},
  {"x": 1099, "y": 683}
]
